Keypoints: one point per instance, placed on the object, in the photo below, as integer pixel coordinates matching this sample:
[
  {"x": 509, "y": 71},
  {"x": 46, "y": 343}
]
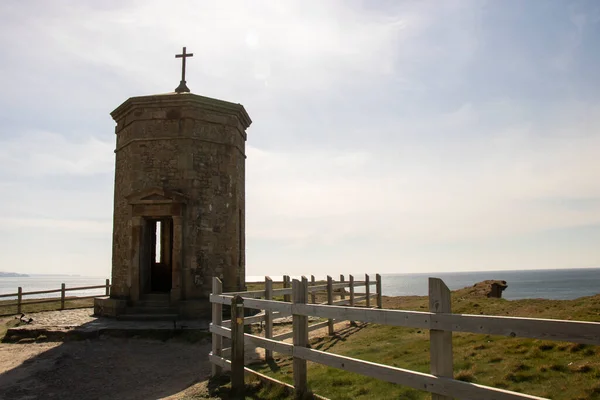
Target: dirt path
[
  {"x": 106, "y": 368},
  {"x": 111, "y": 368}
]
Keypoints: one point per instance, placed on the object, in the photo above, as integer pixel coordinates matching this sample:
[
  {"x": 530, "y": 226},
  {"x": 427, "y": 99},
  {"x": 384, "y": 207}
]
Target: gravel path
[{"x": 65, "y": 318}]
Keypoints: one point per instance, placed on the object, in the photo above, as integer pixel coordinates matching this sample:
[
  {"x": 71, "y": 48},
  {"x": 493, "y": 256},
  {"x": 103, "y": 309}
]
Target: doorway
[{"x": 156, "y": 255}]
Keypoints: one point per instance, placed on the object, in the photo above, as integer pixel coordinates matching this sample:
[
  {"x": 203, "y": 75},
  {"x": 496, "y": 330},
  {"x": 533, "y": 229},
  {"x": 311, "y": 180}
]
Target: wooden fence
[
  {"x": 439, "y": 320},
  {"x": 63, "y": 289}
]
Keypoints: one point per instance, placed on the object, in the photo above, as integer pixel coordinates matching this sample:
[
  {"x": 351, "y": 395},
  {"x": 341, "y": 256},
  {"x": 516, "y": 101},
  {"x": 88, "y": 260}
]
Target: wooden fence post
[
  {"x": 286, "y": 284},
  {"x": 107, "y": 287},
  {"x": 62, "y": 296},
  {"x": 378, "y": 287},
  {"x": 440, "y": 341},
  {"x": 237, "y": 346},
  {"x": 342, "y": 290},
  {"x": 217, "y": 319},
  {"x": 351, "y": 278},
  {"x": 300, "y": 329},
  {"x": 351, "y": 283},
  {"x": 268, "y": 316},
  {"x": 312, "y": 294},
  {"x": 19, "y": 299},
  {"x": 330, "y": 301},
  {"x": 368, "y": 290}
]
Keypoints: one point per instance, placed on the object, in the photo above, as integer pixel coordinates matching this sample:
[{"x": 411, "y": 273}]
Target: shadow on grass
[
  {"x": 326, "y": 343},
  {"x": 220, "y": 387},
  {"x": 321, "y": 344},
  {"x": 273, "y": 365}
]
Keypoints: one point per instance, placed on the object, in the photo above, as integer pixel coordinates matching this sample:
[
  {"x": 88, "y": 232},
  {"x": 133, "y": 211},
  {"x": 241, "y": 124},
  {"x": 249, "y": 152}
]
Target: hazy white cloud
[
  {"x": 508, "y": 183},
  {"x": 57, "y": 225},
  {"x": 37, "y": 154}
]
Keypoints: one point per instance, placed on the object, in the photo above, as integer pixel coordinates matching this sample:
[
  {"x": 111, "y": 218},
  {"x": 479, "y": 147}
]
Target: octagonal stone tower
[{"x": 179, "y": 204}]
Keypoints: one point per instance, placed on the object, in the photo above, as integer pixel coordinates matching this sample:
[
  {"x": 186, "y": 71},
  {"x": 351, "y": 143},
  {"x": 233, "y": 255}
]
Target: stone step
[
  {"x": 151, "y": 303},
  {"x": 151, "y": 310},
  {"x": 147, "y": 317},
  {"x": 156, "y": 297}
]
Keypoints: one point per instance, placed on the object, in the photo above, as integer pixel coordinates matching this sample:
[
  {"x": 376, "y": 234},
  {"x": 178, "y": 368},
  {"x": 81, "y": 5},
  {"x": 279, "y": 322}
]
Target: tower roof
[{"x": 178, "y": 99}]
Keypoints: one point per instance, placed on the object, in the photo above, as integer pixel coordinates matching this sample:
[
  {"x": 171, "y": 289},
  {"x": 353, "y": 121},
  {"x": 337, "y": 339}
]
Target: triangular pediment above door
[{"x": 156, "y": 195}]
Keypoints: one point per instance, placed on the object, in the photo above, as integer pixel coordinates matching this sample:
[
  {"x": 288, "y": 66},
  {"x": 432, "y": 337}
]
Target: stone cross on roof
[{"x": 182, "y": 86}]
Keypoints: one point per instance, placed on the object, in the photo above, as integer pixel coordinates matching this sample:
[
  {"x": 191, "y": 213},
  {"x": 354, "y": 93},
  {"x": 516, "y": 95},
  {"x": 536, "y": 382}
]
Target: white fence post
[
  {"x": 378, "y": 288},
  {"x": 330, "y": 301},
  {"x": 217, "y": 319},
  {"x": 19, "y": 299},
  {"x": 368, "y": 290},
  {"x": 351, "y": 284},
  {"x": 237, "y": 345},
  {"x": 62, "y": 296},
  {"x": 300, "y": 327},
  {"x": 286, "y": 284},
  {"x": 268, "y": 316},
  {"x": 440, "y": 341}
]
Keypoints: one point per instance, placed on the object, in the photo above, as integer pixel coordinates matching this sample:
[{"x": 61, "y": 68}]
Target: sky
[{"x": 387, "y": 136}]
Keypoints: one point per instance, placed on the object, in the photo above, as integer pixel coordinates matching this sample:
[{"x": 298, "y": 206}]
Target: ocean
[
  {"x": 559, "y": 284},
  {"x": 34, "y": 283}
]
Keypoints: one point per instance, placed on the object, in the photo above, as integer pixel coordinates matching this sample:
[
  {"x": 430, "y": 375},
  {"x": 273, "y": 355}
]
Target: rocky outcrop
[{"x": 489, "y": 288}]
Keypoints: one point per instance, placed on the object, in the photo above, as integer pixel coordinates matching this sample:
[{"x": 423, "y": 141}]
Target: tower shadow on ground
[{"x": 106, "y": 367}]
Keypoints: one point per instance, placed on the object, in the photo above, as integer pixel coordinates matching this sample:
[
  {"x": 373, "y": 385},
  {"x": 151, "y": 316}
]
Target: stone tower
[{"x": 179, "y": 201}]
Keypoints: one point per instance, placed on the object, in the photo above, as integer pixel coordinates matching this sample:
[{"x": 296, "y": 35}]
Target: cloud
[
  {"x": 508, "y": 180},
  {"x": 57, "y": 225},
  {"x": 37, "y": 154}
]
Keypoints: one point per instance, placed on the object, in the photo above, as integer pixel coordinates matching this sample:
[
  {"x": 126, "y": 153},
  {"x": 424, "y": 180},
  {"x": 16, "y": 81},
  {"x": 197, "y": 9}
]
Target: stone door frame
[{"x": 154, "y": 203}]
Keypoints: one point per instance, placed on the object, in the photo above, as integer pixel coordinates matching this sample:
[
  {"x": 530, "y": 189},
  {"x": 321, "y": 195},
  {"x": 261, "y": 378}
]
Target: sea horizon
[{"x": 554, "y": 283}]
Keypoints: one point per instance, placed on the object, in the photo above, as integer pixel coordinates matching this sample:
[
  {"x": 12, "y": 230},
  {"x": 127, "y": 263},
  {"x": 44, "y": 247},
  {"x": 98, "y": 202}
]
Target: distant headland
[{"x": 12, "y": 275}]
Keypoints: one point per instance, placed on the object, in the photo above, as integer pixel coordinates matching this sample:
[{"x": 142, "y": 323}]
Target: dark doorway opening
[{"x": 156, "y": 256}]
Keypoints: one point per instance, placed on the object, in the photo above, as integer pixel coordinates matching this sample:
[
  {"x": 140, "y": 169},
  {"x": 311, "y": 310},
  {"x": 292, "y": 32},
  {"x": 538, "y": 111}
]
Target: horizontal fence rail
[
  {"x": 440, "y": 321},
  {"x": 535, "y": 328},
  {"x": 19, "y": 302}
]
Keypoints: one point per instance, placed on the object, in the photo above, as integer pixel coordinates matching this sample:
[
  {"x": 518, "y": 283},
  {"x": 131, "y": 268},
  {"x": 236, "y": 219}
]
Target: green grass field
[{"x": 554, "y": 370}]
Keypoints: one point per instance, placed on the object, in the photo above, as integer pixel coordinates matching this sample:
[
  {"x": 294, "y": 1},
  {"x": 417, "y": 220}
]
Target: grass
[
  {"x": 8, "y": 307},
  {"x": 554, "y": 370}
]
